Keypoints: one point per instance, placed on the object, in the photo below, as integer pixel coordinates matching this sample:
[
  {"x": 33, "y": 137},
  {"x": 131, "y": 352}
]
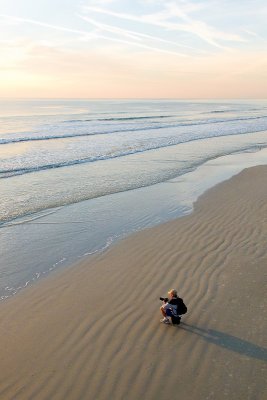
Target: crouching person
[{"x": 172, "y": 309}]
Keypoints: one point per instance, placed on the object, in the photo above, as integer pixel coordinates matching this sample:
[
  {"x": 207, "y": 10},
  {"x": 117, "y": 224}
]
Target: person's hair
[{"x": 173, "y": 292}]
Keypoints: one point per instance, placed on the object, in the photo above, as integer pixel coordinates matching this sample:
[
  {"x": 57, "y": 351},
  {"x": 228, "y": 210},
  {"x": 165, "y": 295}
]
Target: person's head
[{"x": 172, "y": 293}]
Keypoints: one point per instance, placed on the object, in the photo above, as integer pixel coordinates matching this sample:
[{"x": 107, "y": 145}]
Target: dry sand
[{"x": 93, "y": 331}]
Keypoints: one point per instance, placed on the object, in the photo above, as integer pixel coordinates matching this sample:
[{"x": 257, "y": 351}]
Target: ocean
[{"x": 77, "y": 175}]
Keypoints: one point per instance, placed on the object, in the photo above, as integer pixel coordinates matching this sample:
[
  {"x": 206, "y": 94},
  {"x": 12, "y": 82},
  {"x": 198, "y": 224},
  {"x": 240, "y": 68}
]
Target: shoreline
[
  {"x": 59, "y": 238},
  {"x": 88, "y": 335}
]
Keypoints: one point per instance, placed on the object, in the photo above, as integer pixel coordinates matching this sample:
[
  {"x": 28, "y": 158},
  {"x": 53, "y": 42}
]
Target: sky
[{"x": 133, "y": 49}]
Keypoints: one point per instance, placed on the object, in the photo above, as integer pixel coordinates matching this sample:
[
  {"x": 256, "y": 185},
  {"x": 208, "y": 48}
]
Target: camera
[{"x": 165, "y": 299}]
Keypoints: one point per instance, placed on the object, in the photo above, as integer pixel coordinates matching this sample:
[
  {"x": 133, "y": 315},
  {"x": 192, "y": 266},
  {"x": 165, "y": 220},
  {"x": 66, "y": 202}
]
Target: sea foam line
[
  {"x": 9, "y": 173},
  {"x": 129, "y": 129}
]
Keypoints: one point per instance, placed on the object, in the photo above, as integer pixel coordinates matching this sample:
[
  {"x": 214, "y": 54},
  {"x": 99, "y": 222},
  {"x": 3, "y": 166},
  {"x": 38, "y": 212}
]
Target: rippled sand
[{"x": 93, "y": 332}]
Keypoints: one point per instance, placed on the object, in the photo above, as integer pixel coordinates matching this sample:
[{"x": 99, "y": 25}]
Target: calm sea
[{"x": 76, "y": 174}]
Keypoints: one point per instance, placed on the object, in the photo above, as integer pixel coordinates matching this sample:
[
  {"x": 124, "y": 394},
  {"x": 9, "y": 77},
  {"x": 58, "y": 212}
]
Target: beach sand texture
[{"x": 93, "y": 331}]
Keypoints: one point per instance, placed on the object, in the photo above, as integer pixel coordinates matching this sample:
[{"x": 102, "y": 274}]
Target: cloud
[
  {"x": 133, "y": 34},
  {"x": 102, "y": 2},
  {"x": 88, "y": 35},
  {"x": 141, "y": 45},
  {"x": 199, "y": 27},
  {"x": 164, "y": 19},
  {"x": 11, "y": 19},
  {"x": 254, "y": 34}
]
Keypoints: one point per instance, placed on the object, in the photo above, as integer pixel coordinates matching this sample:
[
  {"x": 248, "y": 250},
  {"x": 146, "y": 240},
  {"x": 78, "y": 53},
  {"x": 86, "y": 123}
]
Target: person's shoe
[{"x": 165, "y": 320}]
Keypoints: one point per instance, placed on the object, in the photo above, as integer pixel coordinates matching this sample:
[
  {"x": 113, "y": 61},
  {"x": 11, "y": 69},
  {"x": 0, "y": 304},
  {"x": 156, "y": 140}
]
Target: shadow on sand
[{"x": 229, "y": 342}]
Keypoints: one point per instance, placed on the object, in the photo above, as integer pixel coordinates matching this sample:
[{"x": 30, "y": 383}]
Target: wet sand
[{"x": 93, "y": 331}]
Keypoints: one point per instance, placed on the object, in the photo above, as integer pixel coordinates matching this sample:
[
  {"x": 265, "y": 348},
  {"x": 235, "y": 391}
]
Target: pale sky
[{"x": 133, "y": 49}]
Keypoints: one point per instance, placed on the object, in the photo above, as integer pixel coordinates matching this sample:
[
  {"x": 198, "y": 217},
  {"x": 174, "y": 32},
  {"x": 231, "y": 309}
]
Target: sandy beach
[{"x": 93, "y": 331}]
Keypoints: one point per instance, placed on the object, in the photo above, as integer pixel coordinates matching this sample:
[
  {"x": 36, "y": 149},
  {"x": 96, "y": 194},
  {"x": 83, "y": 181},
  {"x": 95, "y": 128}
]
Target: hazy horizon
[{"x": 138, "y": 98}]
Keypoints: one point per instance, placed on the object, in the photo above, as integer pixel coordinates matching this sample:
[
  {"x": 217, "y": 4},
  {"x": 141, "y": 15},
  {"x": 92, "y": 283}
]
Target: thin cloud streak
[
  {"x": 12, "y": 18},
  {"x": 112, "y": 29},
  {"x": 90, "y": 35},
  {"x": 133, "y": 34},
  {"x": 197, "y": 28},
  {"x": 249, "y": 32},
  {"x": 142, "y": 45}
]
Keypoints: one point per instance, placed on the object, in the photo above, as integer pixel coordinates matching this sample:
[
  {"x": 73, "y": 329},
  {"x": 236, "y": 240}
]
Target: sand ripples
[{"x": 94, "y": 331}]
